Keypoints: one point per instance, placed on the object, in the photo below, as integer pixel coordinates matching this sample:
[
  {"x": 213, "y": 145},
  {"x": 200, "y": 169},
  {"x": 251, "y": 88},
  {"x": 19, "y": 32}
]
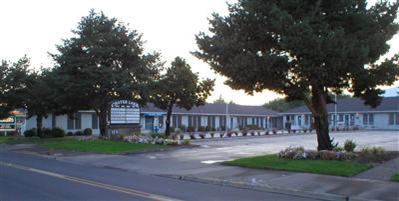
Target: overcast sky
[{"x": 35, "y": 27}]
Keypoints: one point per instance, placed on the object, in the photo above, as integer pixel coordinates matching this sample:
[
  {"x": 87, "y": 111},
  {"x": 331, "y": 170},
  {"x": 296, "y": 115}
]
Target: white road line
[{"x": 92, "y": 183}]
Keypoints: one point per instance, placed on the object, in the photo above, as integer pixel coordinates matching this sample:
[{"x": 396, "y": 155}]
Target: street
[{"x": 27, "y": 177}]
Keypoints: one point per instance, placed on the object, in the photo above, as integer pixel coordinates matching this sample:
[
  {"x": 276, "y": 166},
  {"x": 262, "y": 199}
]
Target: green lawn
[
  {"x": 340, "y": 168},
  {"x": 29, "y": 140},
  {"x": 395, "y": 177},
  {"x": 101, "y": 146}
]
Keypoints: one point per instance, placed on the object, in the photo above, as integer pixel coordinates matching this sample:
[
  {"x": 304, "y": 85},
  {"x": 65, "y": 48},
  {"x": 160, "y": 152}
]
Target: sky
[{"x": 34, "y": 28}]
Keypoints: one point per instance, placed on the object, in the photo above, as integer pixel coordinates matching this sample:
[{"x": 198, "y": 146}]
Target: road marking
[{"x": 92, "y": 183}]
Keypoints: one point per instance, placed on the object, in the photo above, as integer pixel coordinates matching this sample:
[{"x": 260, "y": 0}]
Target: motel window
[
  {"x": 397, "y": 119},
  {"x": 341, "y": 117},
  {"x": 368, "y": 119},
  {"x": 94, "y": 121},
  {"x": 78, "y": 121},
  {"x": 391, "y": 119},
  {"x": 70, "y": 123}
]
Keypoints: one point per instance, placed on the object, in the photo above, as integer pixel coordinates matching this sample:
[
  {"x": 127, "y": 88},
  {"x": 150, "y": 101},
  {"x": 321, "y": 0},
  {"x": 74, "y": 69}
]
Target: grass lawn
[
  {"x": 28, "y": 140},
  {"x": 395, "y": 177},
  {"x": 101, "y": 146},
  {"x": 339, "y": 168}
]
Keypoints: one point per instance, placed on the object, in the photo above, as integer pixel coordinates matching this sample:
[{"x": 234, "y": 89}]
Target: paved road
[
  {"x": 203, "y": 158},
  {"x": 27, "y": 177}
]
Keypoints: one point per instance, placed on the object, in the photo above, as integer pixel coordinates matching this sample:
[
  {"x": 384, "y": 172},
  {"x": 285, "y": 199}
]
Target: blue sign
[{"x": 153, "y": 114}]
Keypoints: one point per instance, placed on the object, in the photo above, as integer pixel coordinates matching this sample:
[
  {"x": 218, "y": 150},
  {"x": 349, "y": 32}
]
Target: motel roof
[
  {"x": 217, "y": 109},
  {"x": 388, "y": 104}
]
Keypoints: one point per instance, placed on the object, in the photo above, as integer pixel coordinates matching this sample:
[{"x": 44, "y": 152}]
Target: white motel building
[{"x": 350, "y": 112}]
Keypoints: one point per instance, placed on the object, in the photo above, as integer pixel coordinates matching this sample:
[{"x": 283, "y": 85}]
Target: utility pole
[
  {"x": 335, "y": 111},
  {"x": 227, "y": 115}
]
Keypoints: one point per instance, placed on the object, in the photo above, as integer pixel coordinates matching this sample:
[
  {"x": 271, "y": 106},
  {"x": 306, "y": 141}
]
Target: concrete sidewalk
[
  {"x": 303, "y": 184},
  {"x": 381, "y": 172},
  {"x": 320, "y": 186}
]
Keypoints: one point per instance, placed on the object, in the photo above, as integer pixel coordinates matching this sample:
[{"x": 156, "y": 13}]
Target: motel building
[
  {"x": 151, "y": 119},
  {"x": 350, "y": 113}
]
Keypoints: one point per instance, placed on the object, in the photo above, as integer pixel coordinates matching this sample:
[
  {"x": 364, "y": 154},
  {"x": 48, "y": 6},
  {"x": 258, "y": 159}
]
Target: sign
[
  {"x": 7, "y": 120},
  {"x": 125, "y": 112}
]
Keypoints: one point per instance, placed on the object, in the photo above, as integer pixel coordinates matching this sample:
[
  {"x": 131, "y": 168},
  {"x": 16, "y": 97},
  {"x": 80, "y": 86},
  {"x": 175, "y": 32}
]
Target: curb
[{"x": 267, "y": 188}]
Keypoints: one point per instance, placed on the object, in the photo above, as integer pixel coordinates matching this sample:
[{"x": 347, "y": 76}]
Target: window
[
  {"x": 368, "y": 119},
  {"x": 341, "y": 117},
  {"x": 391, "y": 119},
  {"x": 365, "y": 119},
  {"x": 94, "y": 121},
  {"x": 70, "y": 124},
  {"x": 397, "y": 118},
  {"x": 74, "y": 122}
]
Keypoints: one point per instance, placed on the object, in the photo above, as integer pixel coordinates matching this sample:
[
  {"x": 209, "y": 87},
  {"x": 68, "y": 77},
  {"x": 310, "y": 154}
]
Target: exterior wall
[
  {"x": 61, "y": 121},
  {"x": 380, "y": 120}
]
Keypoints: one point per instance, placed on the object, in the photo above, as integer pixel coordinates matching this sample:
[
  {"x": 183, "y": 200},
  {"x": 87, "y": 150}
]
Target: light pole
[
  {"x": 335, "y": 111},
  {"x": 227, "y": 115}
]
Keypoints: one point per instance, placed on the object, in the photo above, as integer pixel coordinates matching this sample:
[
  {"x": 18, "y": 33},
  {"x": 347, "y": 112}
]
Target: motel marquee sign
[{"x": 124, "y": 112}]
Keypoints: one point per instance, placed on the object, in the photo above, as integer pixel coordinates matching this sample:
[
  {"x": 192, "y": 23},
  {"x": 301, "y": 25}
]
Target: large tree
[
  {"x": 13, "y": 85},
  {"x": 304, "y": 49},
  {"x": 28, "y": 89},
  {"x": 180, "y": 87},
  {"x": 103, "y": 61}
]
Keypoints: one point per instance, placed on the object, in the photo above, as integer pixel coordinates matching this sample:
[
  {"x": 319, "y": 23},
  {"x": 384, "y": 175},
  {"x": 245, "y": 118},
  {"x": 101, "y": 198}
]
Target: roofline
[{"x": 365, "y": 111}]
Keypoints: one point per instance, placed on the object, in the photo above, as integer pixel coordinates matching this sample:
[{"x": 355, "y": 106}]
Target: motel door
[
  {"x": 346, "y": 120},
  {"x": 149, "y": 123}
]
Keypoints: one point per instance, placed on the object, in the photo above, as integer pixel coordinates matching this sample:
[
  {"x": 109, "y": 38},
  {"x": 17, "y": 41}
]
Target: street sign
[{"x": 125, "y": 112}]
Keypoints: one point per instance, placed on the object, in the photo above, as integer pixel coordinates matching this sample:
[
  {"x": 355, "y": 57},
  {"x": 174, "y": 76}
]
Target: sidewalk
[
  {"x": 301, "y": 184},
  {"x": 305, "y": 184},
  {"x": 381, "y": 172}
]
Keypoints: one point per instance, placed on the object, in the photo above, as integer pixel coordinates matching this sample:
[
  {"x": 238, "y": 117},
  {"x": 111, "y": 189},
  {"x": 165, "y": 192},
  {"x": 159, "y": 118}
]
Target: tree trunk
[
  {"x": 167, "y": 122},
  {"x": 39, "y": 125},
  {"x": 102, "y": 115},
  {"x": 318, "y": 107}
]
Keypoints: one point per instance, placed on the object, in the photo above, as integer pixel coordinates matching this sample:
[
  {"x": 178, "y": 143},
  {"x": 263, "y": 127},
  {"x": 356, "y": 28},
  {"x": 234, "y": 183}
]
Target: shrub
[
  {"x": 87, "y": 131},
  {"x": 191, "y": 129},
  {"x": 349, "y": 145},
  {"x": 57, "y": 132},
  {"x": 172, "y": 129},
  {"x": 186, "y": 142},
  {"x": 30, "y": 132},
  {"x": 46, "y": 132},
  {"x": 192, "y": 136},
  {"x": 79, "y": 133},
  {"x": 208, "y": 128},
  {"x": 292, "y": 153},
  {"x": 181, "y": 136},
  {"x": 69, "y": 133},
  {"x": 202, "y": 128},
  {"x": 202, "y": 135},
  {"x": 212, "y": 134},
  {"x": 373, "y": 151},
  {"x": 338, "y": 149}
]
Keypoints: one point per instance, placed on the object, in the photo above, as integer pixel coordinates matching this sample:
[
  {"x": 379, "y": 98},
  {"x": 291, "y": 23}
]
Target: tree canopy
[
  {"x": 180, "y": 87},
  {"x": 304, "y": 50},
  {"x": 102, "y": 62}
]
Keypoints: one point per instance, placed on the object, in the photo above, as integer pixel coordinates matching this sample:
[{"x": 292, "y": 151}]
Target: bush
[
  {"x": 79, "y": 133},
  {"x": 46, "y": 132},
  {"x": 349, "y": 145},
  {"x": 87, "y": 131},
  {"x": 202, "y": 135},
  {"x": 57, "y": 132},
  {"x": 327, "y": 155},
  {"x": 30, "y": 132},
  {"x": 69, "y": 133},
  {"x": 202, "y": 128},
  {"x": 191, "y": 129},
  {"x": 373, "y": 151},
  {"x": 186, "y": 142},
  {"x": 292, "y": 153}
]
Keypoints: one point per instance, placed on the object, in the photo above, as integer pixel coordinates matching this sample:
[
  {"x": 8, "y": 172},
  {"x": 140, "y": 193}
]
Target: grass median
[
  {"x": 328, "y": 167},
  {"x": 101, "y": 146},
  {"x": 395, "y": 177}
]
